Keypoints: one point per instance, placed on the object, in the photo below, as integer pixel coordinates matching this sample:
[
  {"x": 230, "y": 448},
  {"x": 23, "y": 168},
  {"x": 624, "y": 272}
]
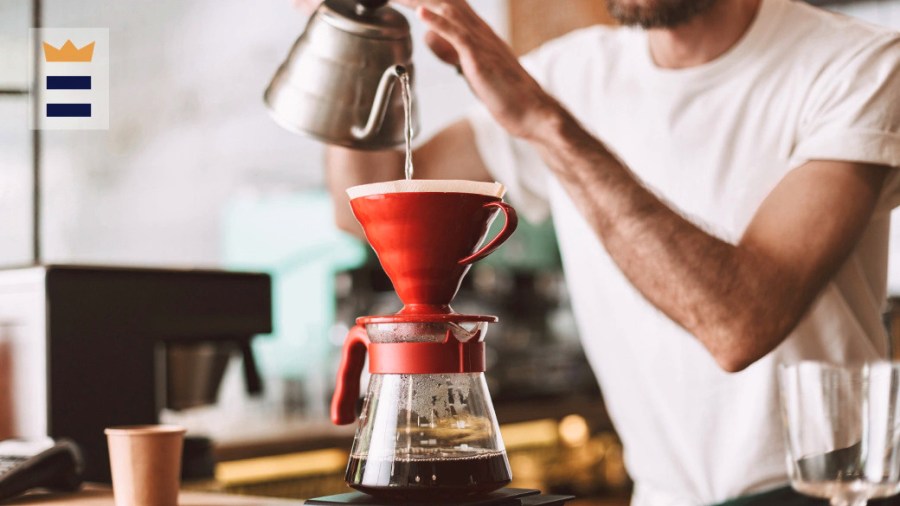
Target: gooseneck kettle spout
[{"x": 382, "y": 98}]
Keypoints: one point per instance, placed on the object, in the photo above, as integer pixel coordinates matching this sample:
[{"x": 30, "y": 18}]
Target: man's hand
[
  {"x": 307, "y": 6},
  {"x": 458, "y": 36}
]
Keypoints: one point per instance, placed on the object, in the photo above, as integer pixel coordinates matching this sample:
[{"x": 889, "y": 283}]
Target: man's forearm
[
  {"x": 347, "y": 167},
  {"x": 708, "y": 286}
]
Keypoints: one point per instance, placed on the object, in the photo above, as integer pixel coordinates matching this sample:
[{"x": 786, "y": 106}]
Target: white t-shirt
[{"x": 713, "y": 141}]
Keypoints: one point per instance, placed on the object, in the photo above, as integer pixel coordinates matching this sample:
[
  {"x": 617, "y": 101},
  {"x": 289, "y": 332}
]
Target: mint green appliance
[{"x": 292, "y": 237}]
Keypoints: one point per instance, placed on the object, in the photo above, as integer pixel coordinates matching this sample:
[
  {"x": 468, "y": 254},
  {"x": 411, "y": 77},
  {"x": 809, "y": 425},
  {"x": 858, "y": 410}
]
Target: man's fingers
[
  {"x": 444, "y": 27},
  {"x": 415, "y": 4},
  {"x": 307, "y": 6},
  {"x": 455, "y": 10},
  {"x": 441, "y": 48}
]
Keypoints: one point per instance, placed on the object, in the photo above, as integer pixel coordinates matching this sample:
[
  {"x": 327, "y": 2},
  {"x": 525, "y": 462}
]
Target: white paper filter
[{"x": 427, "y": 185}]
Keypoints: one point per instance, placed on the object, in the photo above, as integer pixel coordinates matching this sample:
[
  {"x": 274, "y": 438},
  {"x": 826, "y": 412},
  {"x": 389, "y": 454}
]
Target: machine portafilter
[{"x": 194, "y": 370}]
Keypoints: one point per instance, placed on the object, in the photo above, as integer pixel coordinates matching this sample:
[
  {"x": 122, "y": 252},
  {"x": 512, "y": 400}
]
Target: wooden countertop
[{"x": 93, "y": 495}]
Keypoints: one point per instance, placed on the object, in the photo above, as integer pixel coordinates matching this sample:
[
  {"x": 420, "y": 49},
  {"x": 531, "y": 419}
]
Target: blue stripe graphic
[
  {"x": 68, "y": 82},
  {"x": 68, "y": 110}
]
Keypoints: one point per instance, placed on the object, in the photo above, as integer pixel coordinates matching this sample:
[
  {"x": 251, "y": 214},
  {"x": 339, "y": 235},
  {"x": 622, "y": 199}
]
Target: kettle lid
[{"x": 368, "y": 18}]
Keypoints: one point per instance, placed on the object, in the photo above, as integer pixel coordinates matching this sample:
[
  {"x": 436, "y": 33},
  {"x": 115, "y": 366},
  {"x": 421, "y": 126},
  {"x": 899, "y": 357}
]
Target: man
[{"x": 720, "y": 174}]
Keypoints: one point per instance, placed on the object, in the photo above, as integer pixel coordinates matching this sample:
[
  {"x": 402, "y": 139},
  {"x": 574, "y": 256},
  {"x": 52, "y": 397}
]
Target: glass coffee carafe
[
  {"x": 427, "y": 427},
  {"x": 426, "y": 434}
]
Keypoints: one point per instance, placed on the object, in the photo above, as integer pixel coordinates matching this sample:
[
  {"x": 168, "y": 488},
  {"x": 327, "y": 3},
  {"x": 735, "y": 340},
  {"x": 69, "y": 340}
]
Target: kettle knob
[{"x": 372, "y": 4}]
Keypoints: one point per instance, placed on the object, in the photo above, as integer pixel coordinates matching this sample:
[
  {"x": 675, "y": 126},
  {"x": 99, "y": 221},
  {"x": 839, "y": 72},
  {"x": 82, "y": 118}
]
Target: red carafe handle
[
  {"x": 346, "y": 390},
  {"x": 508, "y": 228}
]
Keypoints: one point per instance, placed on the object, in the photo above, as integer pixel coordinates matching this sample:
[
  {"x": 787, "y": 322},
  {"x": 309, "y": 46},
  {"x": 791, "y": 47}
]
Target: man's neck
[{"x": 705, "y": 37}]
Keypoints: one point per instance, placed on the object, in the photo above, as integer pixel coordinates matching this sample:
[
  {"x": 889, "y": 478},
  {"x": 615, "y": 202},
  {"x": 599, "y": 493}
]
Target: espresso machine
[
  {"x": 92, "y": 347},
  {"x": 427, "y": 429}
]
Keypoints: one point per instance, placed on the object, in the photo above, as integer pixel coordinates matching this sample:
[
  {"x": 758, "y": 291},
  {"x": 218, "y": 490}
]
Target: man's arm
[
  {"x": 740, "y": 301},
  {"x": 451, "y": 154},
  {"x": 347, "y": 167}
]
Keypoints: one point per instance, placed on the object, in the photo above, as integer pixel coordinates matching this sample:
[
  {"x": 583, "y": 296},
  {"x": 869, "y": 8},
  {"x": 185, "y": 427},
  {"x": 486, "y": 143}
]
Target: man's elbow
[
  {"x": 734, "y": 362},
  {"x": 740, "y": 346}
]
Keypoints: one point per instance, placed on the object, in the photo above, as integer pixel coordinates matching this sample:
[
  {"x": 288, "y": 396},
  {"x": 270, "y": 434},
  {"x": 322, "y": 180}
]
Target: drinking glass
[{"x": 841, "y": 430}]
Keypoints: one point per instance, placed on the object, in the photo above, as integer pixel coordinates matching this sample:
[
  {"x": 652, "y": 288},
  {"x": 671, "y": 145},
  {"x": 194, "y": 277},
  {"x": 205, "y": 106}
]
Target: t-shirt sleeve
[
  {"x": 512, "y": 161},
  {"x": 854, "y": 115}
]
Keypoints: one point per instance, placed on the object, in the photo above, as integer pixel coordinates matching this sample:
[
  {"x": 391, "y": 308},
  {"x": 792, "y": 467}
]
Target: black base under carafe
[{"x": 504, "y": 497}]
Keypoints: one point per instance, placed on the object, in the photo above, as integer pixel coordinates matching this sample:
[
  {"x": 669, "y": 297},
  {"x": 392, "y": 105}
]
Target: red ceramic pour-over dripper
[{"x": 427, "y": 240}]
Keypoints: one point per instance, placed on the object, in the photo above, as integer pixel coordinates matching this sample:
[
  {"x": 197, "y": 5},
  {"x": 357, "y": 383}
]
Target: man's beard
[{"x": 657, "y": 13}]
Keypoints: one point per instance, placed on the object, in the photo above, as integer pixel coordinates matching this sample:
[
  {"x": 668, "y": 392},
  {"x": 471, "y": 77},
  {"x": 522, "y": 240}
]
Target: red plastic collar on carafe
[{"x": 449, "y": 357}]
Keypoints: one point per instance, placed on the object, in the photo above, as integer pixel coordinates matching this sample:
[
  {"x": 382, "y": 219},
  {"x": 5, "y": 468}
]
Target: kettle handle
[
  {"x": 512, "y": 221},
  {"x": 372, "y": 4},
  {"x": 346, "y": 389},
  {"x": 379, "y": 105}
]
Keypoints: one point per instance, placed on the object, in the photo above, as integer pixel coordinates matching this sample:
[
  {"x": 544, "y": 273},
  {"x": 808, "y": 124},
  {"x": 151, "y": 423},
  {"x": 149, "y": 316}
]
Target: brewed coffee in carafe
[{"x": 427, "y": 428}]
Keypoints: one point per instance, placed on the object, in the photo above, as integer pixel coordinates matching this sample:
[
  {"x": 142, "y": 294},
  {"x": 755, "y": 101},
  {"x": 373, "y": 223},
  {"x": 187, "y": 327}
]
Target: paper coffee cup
[{"x": 145, "y": 461}]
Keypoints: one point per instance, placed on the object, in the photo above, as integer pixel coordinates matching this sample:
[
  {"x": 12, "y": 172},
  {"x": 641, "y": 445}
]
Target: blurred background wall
[{"x": 188, "y": 132}]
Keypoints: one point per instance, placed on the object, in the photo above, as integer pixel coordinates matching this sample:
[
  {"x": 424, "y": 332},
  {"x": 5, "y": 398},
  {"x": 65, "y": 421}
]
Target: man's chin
[{"x": 657, "y": 13}]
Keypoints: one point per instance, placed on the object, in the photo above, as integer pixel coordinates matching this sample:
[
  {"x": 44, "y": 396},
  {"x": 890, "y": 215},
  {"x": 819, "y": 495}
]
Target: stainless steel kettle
[{"x": 339, "y": 83}]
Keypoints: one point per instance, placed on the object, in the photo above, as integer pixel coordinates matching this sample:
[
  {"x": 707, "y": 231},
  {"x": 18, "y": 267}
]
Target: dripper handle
[
  {"x": 346, "y": 389},
  {"x": 512, "y": 221}
]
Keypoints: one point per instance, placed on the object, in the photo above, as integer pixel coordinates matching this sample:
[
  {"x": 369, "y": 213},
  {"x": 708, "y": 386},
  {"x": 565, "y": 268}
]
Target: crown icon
[{"x": 68, "y": 53}]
